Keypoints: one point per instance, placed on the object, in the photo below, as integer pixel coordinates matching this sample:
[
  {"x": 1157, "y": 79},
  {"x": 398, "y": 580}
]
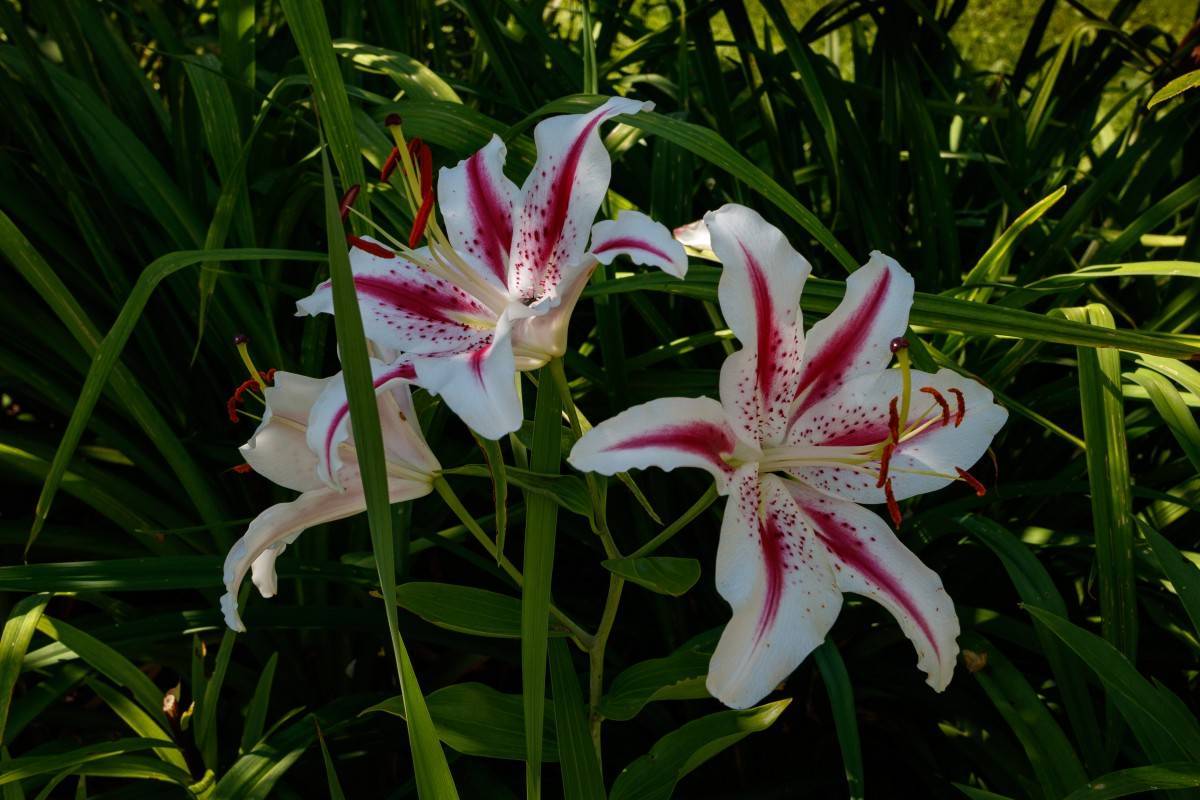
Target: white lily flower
[
  {"x": 495, "y": 294},
  {"x": 303, "y": 443},
  {"x": 804, "y": 432}
]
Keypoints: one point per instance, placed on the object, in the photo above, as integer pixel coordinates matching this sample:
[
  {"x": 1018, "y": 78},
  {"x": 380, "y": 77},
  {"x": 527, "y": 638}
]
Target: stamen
[
  {"x": 377, "y": 250},
  {"x": 241, "y": 341},
  {"x": 899, "y": 347},
  {"x": 420, "y": 153},
  {"x": 242, "y": 469},
  {"x": 962, "y": 407},
  {"x": 892, "y": 505},
  {"x": 389, "y": 166},
  {"x": 972, "y": 481},
  {"x": 421, "y": 220},
  {"x": 885, "y": 461},
  {"x": 393, "y": 121},
  {"x": 941, "y": 401},
  {"x": 237, "y": 398},
  {"x": 348, "y": 200},
  {"x": 898, "y": 344},
  {"x": 893, "y": 421}
]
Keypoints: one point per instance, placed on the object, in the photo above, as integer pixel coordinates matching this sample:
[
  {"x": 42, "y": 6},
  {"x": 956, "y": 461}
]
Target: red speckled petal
[
  {"x": 869, "y": 560},
  {"x": 406, "y": 308},
  {"x": 858, "y": 415},
  {"x": 855, "y": 339},
  {"x": 561, "y": 196},
  {"x": 477, "y": 205},
  {"x": 779, "y": 584},
  {"x": 762, "y": 278},
  {"x": 666, "y": 433}
]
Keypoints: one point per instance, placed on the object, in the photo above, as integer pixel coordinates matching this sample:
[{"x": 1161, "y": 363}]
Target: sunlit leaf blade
[
  {"x": 18, "y": 631},
  {"x": 845, "y": 716},
  {"x": 582, "y": 779}
]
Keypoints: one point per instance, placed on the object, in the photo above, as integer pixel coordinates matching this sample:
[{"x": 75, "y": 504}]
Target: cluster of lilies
[{"x": 807, "y": 429}]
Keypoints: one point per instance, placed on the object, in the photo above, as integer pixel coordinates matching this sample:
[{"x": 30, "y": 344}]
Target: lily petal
[
  {"x": 779, "y": 584},
  {"x": 477, "y": 206},
  {"x": 927, "y": 457},
  {"x": 666, "y": 433},
  {"x": 479, "y": 385},
  {"x": 278, "y": 526},
  {"x": 761, "y": 281},
  {"x": 329, "y": 423},
  {"x": 278, "y": 450},
  {"x": 694, "y": 235},
  {"x": 856, "y": 338},
  {"x": 645, "y": 241},
  {"x": 406, "y": 308},
  {"x": 869, "y": 560},
  {"x": 561, "y": 196}
]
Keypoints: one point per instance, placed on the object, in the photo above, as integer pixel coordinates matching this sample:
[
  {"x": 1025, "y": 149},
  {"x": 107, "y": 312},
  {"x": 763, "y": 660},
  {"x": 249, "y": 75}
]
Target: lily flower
[
  {"x": 804, "y": 432},
  {"x": 303, "y": 443},
  {"x": 493, "y": 293}
]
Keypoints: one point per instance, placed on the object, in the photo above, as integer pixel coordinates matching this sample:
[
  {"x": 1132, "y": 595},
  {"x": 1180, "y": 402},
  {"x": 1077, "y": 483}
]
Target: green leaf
[
  {"x": 256, "y": 711},
  {"x": 1189, "y": 80},
  {"x": 141, "y": 723},
  {"x": 662, "y": 574},
  {"x": 14, "y": 641},
  {"x": 1138, "y": 780},
  {"x": 1102, "y": 407},
  {"x": 1170, "y": 405},
  {"x": 1161, "y": 723},
  {"x": 499, "y": 472},
  {"x": 477, "y": 720},
  {"x": 1054, "y": 761},
  {"x": 429, "y": 761},
  {"x": 109, "y": 662},
  {"x": 654, "y": 775},
  {"x": 541, "y": 522},
  {"x": 17, "y": 769},
  {"x": 567, "y": 491},
  {"x": 679, "y": 676},
  {"x": 417, "y": 81},
  {"x": 993, "y": 264},
  {"x": 845, "y": 718},
  {"x": 335, "y": 786},
  {"x": 1182, "y": 573},
  {"x": 465, "y": 609},
  {"x": 582, "y": 779},
  {"x": 311, "y": 31},
  {"x": 204, "y": 720}
]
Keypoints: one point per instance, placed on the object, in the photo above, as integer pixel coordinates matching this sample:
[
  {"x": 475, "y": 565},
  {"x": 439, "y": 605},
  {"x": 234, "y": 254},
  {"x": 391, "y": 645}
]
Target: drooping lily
[
  {"x": 303, "y": 443},
  {"x": 805, "y": 431},
  {"x": 493, "y": 293}
]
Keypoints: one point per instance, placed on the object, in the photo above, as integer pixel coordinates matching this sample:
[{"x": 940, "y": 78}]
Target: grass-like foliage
[{"x": 168, "y": 179}]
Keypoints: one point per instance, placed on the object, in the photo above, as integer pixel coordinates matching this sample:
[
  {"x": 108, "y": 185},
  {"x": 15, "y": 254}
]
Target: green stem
[
  {"x": 582, "y": 638},
  {"x": 705, "y": 500}
]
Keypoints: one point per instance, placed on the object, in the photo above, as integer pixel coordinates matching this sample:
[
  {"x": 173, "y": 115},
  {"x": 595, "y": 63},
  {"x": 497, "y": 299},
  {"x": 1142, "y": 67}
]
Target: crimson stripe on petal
[
  {"x": 840, "y": 350},
  {"x": 766, "y": 332},
  {"x": 434, "y": 301},
  {"x": 401, "y": 370},
  {"x": 771, "y": 542},
  {"x": 704, "y": 439},
  {"x": 630, "y": 243},
  {"x": 846, "y": 547},
  {"x": 493, "y": 220},
  {"x": 554, "y": 216}
]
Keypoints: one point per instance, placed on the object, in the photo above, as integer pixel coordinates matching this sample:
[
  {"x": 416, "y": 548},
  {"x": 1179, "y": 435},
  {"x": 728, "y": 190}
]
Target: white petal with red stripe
[
  {"x": 856, "y": 338},
  {"x": 278, "y": 450},
  {"x": 761, "y": 281},
  {"x": 561, "y": 196},
  {"x": 329, "y": 423},
  {"x": 645, "y": 241},
  {"x": 779, "y": 584},
  {"x": 694, "y": 235},
  {"x": 477, "y": 205},
  {"x": 278, "y": 526},
  {"x": 869, "y": 560},
  {"x": 406, "y": 308},
  {"x": 478, "y": 385},
  {"x": 941, "y": 436},
  {"x": 666, "y": 433}
]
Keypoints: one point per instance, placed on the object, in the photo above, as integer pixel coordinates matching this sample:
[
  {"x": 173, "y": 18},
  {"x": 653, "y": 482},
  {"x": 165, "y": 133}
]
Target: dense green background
[{"x": 995, "y": 149}]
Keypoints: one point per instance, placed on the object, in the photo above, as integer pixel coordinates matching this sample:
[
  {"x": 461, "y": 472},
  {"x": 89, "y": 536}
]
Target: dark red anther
[
  {"x": 421, "y": 220},
  {"x": 892, "y": 505},
  {"x": 894, "y": 420},
  {"x": 240, "y": 339},
  {"x": 972, "y": 481},
  {"x": 393, "y": 120},
  {"x": 898, "y": 344},
  {"x": 348, "y": 200},
  {"x": 419, "y": 152},
  {"x": 941, "y": 401},
  {"x": 377, "y": 250},
  {"x": 962, "y": 407},
  {"x": 885, "y": 461},
  {"x": 242, "y": 469},
  {"x": 389, "y": 166}
]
